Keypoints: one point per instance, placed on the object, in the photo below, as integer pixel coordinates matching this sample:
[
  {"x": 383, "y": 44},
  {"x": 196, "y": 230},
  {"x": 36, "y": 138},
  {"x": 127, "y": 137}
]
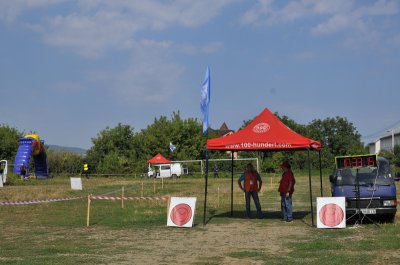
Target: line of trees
[{"x": 123, "y": 150}]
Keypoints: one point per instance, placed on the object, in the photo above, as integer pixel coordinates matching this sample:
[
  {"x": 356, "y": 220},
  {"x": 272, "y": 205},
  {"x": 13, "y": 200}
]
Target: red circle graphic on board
[
  {"x": 331, "y": 214},
  {"x": 181, "y": 214}
]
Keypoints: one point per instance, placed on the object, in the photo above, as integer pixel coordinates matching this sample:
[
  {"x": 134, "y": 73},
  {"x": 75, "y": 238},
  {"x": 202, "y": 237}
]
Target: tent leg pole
[
  {"x": 205, "y": 190},
  {"x": 232, "y": 183},
  {"x": 320, "y": 173},
  {"x": 258, "y": 167},
  {"x": 309, "y": 183}
]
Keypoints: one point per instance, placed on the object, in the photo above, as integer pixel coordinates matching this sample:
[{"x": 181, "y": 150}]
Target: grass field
[{"x": 56, "y": 232}]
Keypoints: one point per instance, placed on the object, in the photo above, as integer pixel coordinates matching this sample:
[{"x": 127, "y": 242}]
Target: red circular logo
[
  {"x": 181, "y": 214},
  {"x": 331, "y": 214},
  {"x": 261, "y": 127}
]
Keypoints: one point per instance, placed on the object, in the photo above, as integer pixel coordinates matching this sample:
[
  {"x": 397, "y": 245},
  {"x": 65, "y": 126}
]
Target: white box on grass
[{"x": 76, "y": 183}]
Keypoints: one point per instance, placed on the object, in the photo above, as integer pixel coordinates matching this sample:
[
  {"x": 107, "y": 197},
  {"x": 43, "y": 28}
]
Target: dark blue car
[{"x": 367, "y": 183}]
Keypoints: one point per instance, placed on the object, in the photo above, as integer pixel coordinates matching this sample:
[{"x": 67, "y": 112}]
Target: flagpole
[
  {"x": 232, "y": 184},
  {"x": 205, "y": 185},
  {"x": 204, "y": 105}
]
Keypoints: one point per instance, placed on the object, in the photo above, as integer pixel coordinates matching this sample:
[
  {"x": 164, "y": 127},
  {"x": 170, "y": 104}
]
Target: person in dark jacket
[
  {"x": 23, "y": 172},
  {"x": 286, "y": 189}
]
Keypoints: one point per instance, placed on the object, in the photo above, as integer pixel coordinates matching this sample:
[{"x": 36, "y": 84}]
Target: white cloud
[
  {"x": 356, "y": 19},
  {"x": 380, "y": 8},
  {"x": 152, "y": 80},
  {"x": 334, "y": 15},
  {"x": 270, "y": 12},
  {"x": 334, "y": 24},
  {"x": 289, "y": 13},
  {"x": 207, "y": 48},
  {"x": 255, "y": 14},
  {"x": 10, "y": 10},
  {"x": 267, "y": 12},
  {"x": 94, "y": 27},
  {"x": 330, "y": 7},
  {"x": 151, "y": 77},
  {"x": 161, "y": 14},
  {"x": 90, "y": 36},
  {"x": 212, "y": 47}
]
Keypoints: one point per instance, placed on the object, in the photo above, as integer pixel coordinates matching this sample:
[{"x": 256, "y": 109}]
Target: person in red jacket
[
  {"x": 286, "y": 189},
  {"x": 252, "y": 185}
]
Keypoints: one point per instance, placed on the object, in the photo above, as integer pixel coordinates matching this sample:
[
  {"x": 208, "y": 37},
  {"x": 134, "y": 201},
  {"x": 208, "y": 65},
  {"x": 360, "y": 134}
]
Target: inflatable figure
[{"x": 31, "y": 145}]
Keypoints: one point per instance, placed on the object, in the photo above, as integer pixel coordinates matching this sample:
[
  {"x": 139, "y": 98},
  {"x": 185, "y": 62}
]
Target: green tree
[
  {"x": 121, "y": 150},
  {"x": 396, "y": 155},
  {"x": 114, "y": 162},
  {"x": 293, "y": 125},
  {"x": 386, "y": 154},
  {"x": 9, "y": 142},
  {"x": 60, "y": 162},
  {"x": 185, "y": 134},
  {"x": 156, "y": 137},
  {"x": 337, "y": 134},
  {"x": 110, "y": 144}
]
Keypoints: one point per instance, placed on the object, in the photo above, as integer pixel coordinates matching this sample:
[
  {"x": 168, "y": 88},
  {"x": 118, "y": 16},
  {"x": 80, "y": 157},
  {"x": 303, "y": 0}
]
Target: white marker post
[{"x": 122, "y": 198}]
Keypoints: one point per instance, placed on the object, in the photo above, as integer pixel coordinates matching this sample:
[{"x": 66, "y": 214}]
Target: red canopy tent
[
  {"x": 265, "y": 132},
  {"x": 159, "y": 159}
]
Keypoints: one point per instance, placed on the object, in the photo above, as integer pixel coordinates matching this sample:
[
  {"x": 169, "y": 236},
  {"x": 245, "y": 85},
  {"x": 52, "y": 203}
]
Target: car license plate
[{"x": 368, "y": 211}]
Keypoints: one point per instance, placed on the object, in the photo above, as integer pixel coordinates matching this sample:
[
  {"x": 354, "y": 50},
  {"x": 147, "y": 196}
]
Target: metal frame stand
[{"x": 361, "y": 215}]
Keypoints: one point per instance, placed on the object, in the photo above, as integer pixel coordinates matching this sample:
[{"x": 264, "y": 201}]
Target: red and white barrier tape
[
  {"x": 39, "y": 201},
  {"x": 129, "y": 198}
]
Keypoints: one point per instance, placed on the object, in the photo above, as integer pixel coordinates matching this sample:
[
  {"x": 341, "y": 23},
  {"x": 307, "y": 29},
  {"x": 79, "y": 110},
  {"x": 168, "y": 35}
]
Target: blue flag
[
  {"x": 171, "y": 147},
  {"x": 205, "y": 100}
]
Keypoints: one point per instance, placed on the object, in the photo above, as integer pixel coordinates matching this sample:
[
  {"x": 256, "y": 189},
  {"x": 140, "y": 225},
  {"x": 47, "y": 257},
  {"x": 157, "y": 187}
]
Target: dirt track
[{"x": 210, "y": 244}]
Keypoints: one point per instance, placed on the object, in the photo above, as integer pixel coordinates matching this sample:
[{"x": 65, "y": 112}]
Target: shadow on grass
[
  {"x": 270, "y": 215},
  {"x": 355, "y": 220}
]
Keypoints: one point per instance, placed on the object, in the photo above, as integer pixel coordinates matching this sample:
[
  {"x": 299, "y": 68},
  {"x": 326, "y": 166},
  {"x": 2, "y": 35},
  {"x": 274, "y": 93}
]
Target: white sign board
[
  {"x": 331, "y": 212},
  {"x": 181, "y": 211},
  {"x": 76, "y": 184}
]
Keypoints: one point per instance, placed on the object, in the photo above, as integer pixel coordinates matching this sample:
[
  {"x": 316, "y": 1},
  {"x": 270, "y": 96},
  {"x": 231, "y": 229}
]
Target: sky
[{"x": 69, "y": 69}]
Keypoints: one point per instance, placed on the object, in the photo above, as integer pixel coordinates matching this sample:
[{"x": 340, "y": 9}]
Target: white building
[{"x": 385, "y": 142}]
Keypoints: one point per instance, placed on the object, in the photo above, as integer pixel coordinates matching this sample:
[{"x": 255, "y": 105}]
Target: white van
[
  {"x": 3, "y": 172},
  {"x": 166, "y": 170}
]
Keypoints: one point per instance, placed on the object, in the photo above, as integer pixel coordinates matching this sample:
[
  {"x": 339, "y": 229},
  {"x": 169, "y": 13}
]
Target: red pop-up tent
[
  {"x": 265, "y": 132},
  {"x": 159, "y": 159}
]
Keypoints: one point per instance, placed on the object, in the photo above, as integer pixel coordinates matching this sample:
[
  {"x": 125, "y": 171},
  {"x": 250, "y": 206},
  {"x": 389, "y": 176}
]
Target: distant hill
[{"x": 77, "y": 150}]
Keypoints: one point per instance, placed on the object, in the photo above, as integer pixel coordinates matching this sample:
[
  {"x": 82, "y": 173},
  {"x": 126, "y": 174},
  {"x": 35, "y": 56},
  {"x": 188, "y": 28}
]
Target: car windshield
[{"x": 366, "y": 175}]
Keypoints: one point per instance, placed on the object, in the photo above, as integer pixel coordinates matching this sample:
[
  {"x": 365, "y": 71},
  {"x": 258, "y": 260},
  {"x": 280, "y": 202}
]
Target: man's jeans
[
  {"x": 286, "y": 206},
  {"x": 253, "y": 194}
]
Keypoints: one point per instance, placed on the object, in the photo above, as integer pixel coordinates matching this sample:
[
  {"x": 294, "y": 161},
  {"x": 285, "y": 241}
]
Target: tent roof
[
  {"x": 265, "y": 132},
  {"x": 159, "y": 159}
]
